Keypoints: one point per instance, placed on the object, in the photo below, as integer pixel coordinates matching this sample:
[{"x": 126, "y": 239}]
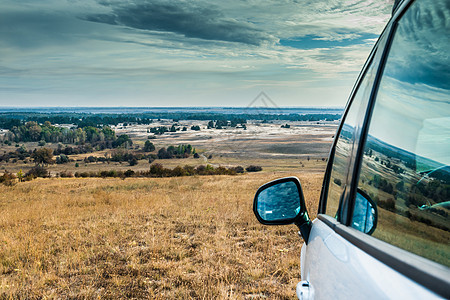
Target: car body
[{"x": 383, "y": 225}]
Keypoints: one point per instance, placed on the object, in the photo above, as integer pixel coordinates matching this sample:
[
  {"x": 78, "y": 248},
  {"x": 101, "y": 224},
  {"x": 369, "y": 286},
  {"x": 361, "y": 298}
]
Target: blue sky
[{"x": 184, "y": 53}]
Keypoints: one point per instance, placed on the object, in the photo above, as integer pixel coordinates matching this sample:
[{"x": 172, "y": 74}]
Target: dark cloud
[{"x": 188, "y": 19}]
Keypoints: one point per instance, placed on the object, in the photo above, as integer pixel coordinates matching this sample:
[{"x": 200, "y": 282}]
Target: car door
[{"x": 393, "y": 147}]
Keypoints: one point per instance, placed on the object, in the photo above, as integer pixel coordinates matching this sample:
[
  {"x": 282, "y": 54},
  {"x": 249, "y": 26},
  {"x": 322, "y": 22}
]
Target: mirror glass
[
  {"x": 364, "y": 215},
  {"x": 279, "y": 202}
]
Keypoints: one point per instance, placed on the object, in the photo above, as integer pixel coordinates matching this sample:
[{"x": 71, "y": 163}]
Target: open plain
[
  {"x": 160, "y": 238},
  {"x": 191, "y": 237}
]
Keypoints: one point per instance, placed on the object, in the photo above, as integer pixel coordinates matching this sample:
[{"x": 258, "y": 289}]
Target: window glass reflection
[
  {"x": 345, "y": 144},
  {"x": 406, "y": 163}
]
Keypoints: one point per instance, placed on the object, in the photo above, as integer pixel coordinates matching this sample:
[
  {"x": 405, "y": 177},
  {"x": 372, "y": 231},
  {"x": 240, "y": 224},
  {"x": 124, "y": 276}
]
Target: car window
[
  {"x": 345, "y": 145},
  {"x": 344, "y": 148},
  {"x": 406, "y": 162}
]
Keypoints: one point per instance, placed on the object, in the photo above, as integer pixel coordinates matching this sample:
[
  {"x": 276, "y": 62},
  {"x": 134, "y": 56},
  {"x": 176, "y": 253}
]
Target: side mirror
[
  {"x": 281, "y": 202},
  {"x": 365, "y": 213}
]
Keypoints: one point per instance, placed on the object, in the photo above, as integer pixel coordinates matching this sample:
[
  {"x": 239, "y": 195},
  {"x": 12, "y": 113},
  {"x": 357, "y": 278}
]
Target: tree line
[{"x": 80, "y": 120}]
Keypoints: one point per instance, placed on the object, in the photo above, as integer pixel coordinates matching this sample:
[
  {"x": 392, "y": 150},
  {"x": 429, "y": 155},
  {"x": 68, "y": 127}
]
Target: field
[
  {"x": 304, "y": 145},
  {"x": 162, "y": 238}
]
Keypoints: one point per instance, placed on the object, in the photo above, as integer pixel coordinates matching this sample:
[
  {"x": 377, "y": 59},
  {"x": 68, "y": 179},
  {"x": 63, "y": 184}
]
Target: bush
[
  {"x": 253, "y": 168},
  {"x": 66, "y": 174},
  {"x": 62, "y": 159},
  {"x": 8, "y": 179},
  {"x": 38, "y": 171},
  {"x": 239, "y": 169},
  {"x": 133, "y": 161},
  {"x": 157, "y": 170},
  {"x": 128, "y": 173}
]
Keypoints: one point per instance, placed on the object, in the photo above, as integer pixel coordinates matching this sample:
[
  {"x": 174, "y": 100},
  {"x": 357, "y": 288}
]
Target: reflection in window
[
  {"x": 406, "y": 162},
  {"x": 345, "y": 144}
]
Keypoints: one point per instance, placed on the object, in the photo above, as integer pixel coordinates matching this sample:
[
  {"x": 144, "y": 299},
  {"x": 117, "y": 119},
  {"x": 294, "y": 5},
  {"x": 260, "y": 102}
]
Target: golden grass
[{"x": 187, "y": 237}]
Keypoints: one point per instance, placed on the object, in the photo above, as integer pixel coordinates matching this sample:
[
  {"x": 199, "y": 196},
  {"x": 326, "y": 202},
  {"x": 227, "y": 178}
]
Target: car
[{"x": 383, "y": 226}]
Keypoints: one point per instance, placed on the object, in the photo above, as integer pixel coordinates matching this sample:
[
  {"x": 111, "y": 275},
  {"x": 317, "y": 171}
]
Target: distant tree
[
  {"x": 133, "y": 161},
  {"x": 122, "y": 141},
  {"x": 62, "y": 159},
  {"x": 149, "y": 147},
  {"x": 195, "y": 127},
  {"x": 42, "y": 156},
  {"x": 196, "y": 155},
  {"x": 164, "y": 154}
]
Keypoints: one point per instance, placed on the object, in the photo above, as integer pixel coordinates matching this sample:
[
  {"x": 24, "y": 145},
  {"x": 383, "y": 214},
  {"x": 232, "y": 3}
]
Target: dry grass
[{"x": 188, "y": 237}]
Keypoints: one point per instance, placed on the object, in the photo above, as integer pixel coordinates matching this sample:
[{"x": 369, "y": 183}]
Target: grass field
[{"x": 162, "y": 238}]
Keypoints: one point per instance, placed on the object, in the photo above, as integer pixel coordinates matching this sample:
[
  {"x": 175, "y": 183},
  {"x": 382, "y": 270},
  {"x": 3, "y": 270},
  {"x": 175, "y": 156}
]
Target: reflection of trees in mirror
[{"x": 280, "y": 201}]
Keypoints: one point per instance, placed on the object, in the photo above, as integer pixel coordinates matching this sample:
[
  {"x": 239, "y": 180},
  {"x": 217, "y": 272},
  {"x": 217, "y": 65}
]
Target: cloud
[
  {"x": 186, "y": 18},
  {"x": 201, "y": 52}
]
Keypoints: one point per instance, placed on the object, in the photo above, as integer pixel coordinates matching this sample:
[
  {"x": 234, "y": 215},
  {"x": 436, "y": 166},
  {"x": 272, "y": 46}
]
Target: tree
[
  {"x": 122, "y": 140},
  {"x": 62, "y": 159},
  {"x": 133, "y": 161},
  {"x": 164, "y": 154},
  {"x": 149, "y": 147},
  {"x": 20, "y": 175},
  {"x": 42, "y": 156}
]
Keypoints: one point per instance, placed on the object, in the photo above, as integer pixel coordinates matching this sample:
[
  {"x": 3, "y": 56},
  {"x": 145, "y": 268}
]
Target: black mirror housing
[{"x": 281, "y": 202}]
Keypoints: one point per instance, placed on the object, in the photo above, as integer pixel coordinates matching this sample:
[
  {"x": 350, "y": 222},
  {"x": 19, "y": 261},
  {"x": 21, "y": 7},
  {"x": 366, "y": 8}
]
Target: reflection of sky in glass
[
  {"x": 413, "y": 103},
  {"x": 280, "y": 201}
]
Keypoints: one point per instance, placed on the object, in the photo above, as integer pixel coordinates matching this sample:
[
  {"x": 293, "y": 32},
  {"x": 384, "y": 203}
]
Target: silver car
[{"x": 383, "y": 223}]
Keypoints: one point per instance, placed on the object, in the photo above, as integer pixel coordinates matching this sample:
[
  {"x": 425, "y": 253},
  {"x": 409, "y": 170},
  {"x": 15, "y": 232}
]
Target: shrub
[
  {"x": 66, "y": 174},
  {"x": 253, "y": 168},
  {"x": 157, "y": 170},
  {"x": 128, "y": 173},
  {"x": 133, "y": 161},
  {"x": 38, "y": 171},
  {"x": 239, "y": 169},
  {"x": 8, "y": 179}
]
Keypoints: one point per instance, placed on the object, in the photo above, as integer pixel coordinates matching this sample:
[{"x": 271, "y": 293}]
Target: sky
[{"x": 184, "y": 53}]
